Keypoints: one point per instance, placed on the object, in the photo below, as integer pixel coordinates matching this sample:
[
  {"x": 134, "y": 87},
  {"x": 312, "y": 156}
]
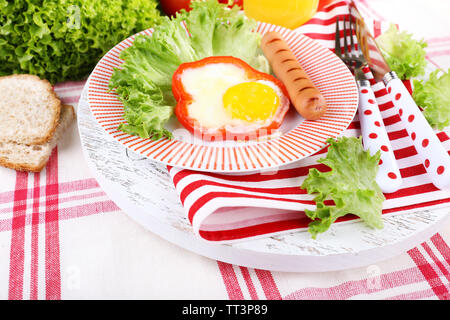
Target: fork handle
[
  {"x": 432, "y": 153},
  {"x": 375, "y": 139}
]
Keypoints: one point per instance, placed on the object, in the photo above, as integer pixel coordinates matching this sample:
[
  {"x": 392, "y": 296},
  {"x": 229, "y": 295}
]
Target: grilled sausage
[{"x": 305, "y": 97}]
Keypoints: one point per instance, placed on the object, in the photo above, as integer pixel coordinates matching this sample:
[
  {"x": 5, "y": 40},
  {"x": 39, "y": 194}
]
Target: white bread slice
[
  {"x": 23, "y": 157},
  {"x": 29, "y": 109}
]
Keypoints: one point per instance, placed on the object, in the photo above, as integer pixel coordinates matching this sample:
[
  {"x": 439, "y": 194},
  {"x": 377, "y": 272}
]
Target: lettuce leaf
[
  {"x": 62, "y": 40},
  {"x": 350, "y": 184},
  {"x": 144, "y": 80},
  {"x": 403, "y": 54},
  {"x": 433, "y": 96}
]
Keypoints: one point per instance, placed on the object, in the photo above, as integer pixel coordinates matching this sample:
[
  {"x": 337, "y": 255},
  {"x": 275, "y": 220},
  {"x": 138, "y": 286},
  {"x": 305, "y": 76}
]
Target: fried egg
[{"x": 230, "y": 99}]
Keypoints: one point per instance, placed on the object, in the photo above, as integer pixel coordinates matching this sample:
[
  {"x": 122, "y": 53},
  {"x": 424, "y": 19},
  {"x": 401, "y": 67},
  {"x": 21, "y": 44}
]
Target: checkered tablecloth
[{"x": 61, "y": 237}]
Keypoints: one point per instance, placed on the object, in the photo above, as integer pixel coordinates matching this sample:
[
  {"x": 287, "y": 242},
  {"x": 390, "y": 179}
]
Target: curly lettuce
[
  {"x": 433, "y": 96},
  {"x": 143, "y": 83},
  {"x": 350, "y": 184},
  {"x": 403, "y": 54},
  {"x": 63, "y": 39}
]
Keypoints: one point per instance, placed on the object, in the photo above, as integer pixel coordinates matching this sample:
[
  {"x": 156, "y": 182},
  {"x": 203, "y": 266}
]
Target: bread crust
[
  {"x": 22, "y": 166},
  {"x": 55, "y": 103}
]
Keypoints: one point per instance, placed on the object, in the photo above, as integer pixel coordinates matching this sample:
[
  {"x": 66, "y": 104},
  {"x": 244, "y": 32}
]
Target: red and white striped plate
[{"x": 298, "y": 139}]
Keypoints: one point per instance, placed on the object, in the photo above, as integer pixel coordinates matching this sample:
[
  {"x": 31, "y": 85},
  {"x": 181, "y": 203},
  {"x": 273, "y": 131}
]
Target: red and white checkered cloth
[{"x": 62, "y": 238}]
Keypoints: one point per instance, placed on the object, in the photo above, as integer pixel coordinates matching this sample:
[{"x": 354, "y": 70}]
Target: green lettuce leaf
[
  {"x": 350, "y": 184},
  {"x": 144, "y": 80},
  {"x": 403, "y": 54},
  {"x": 62, "y": 40},
  {"x": 433, "y": 96}
]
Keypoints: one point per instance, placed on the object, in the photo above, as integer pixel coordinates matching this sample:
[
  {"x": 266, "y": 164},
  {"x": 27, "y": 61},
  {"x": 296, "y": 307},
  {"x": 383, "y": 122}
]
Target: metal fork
[
  {"x": 374, "y": 133},
  {"x": 353, "y": 58}
]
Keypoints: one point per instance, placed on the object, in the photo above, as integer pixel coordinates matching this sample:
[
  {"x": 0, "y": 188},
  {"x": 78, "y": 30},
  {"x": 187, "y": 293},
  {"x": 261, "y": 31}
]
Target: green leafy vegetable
[
  {"x": 144, "y": 81},
  {"x": 350, "y": 184},
  {"x": 433, "y": 96},
  {"x": 64, "y": 39},
  {"x": 403, "y": 54}
]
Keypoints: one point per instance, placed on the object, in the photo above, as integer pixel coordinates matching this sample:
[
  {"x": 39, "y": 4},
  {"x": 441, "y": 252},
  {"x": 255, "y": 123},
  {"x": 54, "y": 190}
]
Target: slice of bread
[
  {"x": 29, "y": 109},
  {"x": 33, "y": 157}
]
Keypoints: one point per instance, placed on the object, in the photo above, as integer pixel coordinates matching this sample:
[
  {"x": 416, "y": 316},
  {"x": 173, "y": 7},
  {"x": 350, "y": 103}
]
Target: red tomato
[{"x": 170, "y": 7}]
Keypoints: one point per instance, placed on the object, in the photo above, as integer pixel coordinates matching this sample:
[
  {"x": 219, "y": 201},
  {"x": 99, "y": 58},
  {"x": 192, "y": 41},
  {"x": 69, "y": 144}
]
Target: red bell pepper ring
[{"x": 184, "y": 99}]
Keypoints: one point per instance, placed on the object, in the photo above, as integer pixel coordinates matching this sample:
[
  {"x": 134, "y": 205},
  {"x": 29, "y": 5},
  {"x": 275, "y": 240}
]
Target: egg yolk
[{"x": 251, "y": 101}]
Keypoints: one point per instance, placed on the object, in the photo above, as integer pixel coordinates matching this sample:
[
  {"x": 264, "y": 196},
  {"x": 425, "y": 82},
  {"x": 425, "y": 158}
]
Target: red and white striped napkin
[{"x": 230, "y": 207}]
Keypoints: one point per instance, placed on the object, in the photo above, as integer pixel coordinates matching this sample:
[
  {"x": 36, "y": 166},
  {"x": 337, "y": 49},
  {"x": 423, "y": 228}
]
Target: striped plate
[{"x": 298, "y": 138}]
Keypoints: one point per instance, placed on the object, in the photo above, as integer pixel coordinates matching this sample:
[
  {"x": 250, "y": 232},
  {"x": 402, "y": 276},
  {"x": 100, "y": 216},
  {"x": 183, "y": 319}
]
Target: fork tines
[{"x": 350, "y": 54}]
